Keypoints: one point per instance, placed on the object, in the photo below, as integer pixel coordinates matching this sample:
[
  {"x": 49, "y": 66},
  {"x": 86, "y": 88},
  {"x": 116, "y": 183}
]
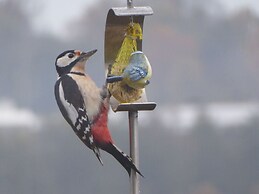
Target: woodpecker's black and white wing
[{"x": 72, "y": 107}]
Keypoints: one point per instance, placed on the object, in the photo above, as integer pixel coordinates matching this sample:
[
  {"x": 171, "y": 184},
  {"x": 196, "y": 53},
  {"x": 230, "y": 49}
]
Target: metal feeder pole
[
  {"x": 134, "y": 150},
  {"x": 133, "y": 139},
  {"x": 117, "y": 20},
  {"x": 132, "y": 109}
]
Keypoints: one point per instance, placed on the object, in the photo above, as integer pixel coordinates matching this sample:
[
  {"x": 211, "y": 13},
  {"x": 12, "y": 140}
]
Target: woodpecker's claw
[{"x": 105, "y": 92}]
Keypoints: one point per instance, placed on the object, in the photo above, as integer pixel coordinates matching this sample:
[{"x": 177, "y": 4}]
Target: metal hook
[{"x": 129, "y": 3}]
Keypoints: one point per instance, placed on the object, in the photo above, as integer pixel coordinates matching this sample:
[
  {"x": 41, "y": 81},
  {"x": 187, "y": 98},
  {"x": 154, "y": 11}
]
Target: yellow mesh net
[{"x": 119, "y": 90}]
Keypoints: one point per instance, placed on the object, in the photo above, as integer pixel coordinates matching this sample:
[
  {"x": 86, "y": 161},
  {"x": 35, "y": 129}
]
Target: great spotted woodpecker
[{"x": 85, "y": 106}]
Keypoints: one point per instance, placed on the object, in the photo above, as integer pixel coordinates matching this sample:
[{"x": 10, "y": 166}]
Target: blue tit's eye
[{"x": 71, "y": 55}]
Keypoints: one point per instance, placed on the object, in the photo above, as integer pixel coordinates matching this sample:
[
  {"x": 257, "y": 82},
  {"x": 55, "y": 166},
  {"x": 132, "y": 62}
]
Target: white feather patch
[
  {"x": 65, "y": 61},
  {"x": 71, "y": 110}
]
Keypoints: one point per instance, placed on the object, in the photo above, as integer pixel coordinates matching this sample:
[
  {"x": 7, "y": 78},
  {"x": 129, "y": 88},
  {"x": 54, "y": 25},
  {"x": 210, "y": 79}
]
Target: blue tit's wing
[
  {"x": 72, "y": 107},
  {"x": 136, "y": 73}
]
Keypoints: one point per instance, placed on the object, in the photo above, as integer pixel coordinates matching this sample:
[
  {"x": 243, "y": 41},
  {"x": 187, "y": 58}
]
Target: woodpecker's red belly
[{"x": 99, "y": 128}]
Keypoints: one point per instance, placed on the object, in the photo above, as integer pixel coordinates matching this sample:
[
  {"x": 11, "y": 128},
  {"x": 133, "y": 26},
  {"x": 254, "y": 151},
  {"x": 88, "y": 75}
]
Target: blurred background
[{"x": 203, "y": 137}]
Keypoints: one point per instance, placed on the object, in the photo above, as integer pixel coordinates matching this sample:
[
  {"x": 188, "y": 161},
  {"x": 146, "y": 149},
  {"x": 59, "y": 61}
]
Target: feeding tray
[{"x": 145, "y": 106}]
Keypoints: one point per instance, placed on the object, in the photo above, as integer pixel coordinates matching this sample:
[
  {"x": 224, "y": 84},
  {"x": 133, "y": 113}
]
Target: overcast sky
[
  {"x": 46, "y": 19},
  {"x": 51, "y": 16}
]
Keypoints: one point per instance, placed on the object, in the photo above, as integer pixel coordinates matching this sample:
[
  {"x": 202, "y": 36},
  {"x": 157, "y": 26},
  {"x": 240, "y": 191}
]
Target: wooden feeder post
[{"x": 116, "y": 23}]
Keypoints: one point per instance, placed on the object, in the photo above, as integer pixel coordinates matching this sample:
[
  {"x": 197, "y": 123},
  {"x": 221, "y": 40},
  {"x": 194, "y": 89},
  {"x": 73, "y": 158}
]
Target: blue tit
[{"x": 137, "y": 74}]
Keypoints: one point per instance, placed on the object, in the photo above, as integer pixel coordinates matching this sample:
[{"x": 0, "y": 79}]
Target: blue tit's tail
[{"x": 113, "y": 78}]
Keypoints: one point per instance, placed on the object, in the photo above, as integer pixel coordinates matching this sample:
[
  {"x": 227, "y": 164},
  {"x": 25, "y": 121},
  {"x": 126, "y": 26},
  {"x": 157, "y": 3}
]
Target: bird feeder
[{"x": 119, "y": 21}]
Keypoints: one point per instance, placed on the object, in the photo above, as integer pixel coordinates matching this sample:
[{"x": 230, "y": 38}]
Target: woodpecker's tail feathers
[
  {"x": 122, "y": 158},
  {"x": 98, "y": 155},
  {"x": 113, "y": 78}
]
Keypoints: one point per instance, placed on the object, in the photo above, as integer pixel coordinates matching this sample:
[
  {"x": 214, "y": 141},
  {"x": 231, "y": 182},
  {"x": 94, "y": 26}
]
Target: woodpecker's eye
[{"x": 71, "y": 55}]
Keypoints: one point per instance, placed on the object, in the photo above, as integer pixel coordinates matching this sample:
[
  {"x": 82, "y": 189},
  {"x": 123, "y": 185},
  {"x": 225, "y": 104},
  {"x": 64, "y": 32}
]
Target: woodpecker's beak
[{"x": 84, "y": 56}]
